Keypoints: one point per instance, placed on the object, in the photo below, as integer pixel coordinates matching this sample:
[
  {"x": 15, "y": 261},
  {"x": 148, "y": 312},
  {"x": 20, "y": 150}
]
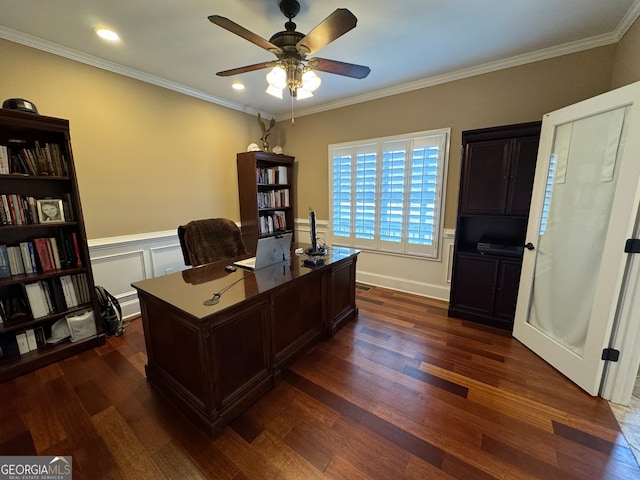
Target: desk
[{"x": 215, "y": 361}]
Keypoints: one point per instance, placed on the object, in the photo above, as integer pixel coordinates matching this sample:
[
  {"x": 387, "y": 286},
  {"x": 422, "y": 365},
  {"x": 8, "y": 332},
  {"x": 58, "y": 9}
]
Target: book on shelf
[
  {"x": 37, "y": 301},
  {"x": 69, "y": 291},
  {"x": 27, "y": 260},
  {"x": 40, "y": 337},
  {"x": 15, "y": 260},
  {"x": 57, "y": 294},
  {"x": 5, "y": 267},
  {"x": 31, "y": 339},
  {"x": 43, "y": 251},
  {"x": 23, "y": 344},
  {"x": 4, "y": 160},
  {"x": 5, "y": 217}
]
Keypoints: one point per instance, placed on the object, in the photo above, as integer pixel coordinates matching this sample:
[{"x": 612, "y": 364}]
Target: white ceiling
[{"x": 407, "y": 44}]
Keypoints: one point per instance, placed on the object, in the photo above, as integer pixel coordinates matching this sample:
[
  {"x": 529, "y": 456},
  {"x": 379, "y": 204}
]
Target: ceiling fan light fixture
[
  {"x": 310, "y": 81},
  {"x": 302, "y": 93},
  {"x": 237, "y": 85},
  {"x": 293, "y": 70},
  {"x": 273, "y": 91},
  {"x": 277, "y": 77}
]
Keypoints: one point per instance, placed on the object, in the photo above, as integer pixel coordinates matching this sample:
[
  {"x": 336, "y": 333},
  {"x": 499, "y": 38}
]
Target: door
[
  {"x": 507, "y": 289},
  {"x": 475, "y": 279},
  {"x": 523, "y": 166},
  {"x": 584, "y": 206},
  {"x": 486, "y": 177}
]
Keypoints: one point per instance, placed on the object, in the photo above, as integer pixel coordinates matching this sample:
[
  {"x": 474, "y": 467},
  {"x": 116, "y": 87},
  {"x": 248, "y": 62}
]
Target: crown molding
[
  {"x": 631, "y": 16},
  {"x": 72, "y": 54},
  {"x": 516, "y": 61}
]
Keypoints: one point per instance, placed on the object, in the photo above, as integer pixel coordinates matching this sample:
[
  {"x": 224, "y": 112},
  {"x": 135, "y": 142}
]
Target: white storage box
[{"x": 81, "y": 325}]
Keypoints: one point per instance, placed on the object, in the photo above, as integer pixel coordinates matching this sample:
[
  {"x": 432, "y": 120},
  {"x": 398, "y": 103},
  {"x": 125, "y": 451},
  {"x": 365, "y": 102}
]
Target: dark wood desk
[{"x": 215, "y": 361}]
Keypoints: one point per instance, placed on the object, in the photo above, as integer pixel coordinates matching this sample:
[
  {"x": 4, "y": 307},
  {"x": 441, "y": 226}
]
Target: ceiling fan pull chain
[{"x": 293, "y": 120}]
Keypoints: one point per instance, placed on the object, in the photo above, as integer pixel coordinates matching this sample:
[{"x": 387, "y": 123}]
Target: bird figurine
[{"x": 265, "y": 132}]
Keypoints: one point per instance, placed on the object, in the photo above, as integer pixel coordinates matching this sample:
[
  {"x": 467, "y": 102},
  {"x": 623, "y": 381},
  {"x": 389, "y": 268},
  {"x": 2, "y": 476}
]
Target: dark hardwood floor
[{"x": 402, "y": 392}]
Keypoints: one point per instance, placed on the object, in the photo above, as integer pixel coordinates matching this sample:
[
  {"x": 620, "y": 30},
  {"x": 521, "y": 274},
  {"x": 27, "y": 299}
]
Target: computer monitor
[{"x": 314, "y": 250}]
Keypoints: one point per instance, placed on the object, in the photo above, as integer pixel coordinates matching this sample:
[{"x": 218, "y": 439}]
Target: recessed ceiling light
[
  {"x": 237, "y": 86},
  {"x": 107, "y": 34}
]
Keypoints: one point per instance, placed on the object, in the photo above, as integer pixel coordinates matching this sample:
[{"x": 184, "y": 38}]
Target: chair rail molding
[{"x": 117, "y": 262}]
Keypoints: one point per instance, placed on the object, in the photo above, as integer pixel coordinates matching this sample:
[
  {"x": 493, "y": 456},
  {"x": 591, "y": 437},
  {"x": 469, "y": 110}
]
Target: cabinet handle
[{"x": 529, "y": 246}]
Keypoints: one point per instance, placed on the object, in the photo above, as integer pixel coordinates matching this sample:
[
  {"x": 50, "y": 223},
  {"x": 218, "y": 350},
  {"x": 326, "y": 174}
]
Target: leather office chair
[{"x": 210, "y": 240}]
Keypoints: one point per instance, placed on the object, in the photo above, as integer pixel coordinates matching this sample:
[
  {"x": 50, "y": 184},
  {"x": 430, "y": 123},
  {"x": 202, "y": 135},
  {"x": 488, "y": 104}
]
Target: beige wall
[
  {"x": 626, "y": 69},
  {"x": 148, "y": 159},
  {"x": 514, "y": 95}
]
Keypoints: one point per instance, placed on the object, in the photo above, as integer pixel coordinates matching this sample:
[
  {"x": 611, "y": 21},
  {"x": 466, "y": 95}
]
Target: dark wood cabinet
[
  {"x": 487, "y": 286},
  {"x": 498, "y": 176},
  {"x": 266, "y": 191},
  {"x": 498, "y": 167},
  {"x": 55, "y": 280}
]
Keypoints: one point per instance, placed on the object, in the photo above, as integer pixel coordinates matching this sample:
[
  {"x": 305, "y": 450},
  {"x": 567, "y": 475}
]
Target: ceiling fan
[{"x": 292, "y": 68}]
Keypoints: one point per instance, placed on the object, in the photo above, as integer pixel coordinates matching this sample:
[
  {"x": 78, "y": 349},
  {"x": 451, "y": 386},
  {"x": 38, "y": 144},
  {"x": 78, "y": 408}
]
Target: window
[
  {"x": 547, "y": 193},
  {"x": 386, "y": 194}
]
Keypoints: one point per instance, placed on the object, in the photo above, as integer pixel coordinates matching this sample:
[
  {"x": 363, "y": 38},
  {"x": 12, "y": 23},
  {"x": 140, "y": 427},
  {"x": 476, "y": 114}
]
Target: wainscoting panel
[
  {"x": 119, "y": 261},
  {"x": 163, "y": 259}
]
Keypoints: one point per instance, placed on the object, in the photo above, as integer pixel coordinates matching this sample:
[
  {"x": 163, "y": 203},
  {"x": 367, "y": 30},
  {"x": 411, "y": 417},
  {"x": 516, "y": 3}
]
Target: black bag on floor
[{"x": 110, "y": 312}]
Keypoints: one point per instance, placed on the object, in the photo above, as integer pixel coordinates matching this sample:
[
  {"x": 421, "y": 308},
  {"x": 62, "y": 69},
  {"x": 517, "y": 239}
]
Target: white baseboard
[{"x": 439, "y": 292}]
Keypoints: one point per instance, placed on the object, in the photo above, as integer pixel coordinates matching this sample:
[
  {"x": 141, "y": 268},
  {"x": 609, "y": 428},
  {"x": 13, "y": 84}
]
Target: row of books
[
  {"x": 25, "y": 302},
  {"x": 272, "y": 223},
  {"x": 46, "y": 159},
  {"x": 40, "y": 255},
  {"x": 57, "y": 294},
  {"x": 16, "y": 209},
  {"x": 273, "y": 199},
  {"x": 30, "y": 339},
  {"x": 272, "y": 175}
]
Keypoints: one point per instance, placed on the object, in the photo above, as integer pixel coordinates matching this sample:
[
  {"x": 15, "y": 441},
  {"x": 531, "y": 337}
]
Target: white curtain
[{"x": 570, "y": 249}]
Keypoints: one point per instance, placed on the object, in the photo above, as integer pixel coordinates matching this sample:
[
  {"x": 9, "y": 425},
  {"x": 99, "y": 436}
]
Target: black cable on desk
[{"x": 215, "y": 298}]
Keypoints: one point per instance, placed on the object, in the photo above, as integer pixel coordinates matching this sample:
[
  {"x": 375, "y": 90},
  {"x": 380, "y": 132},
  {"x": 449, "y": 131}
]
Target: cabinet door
[
  {"x": 507, "y": 289},
  {"x": 485, "y": 177},
  {"x": 523, "y": 167},
  {"x": 474, "y": 279}
]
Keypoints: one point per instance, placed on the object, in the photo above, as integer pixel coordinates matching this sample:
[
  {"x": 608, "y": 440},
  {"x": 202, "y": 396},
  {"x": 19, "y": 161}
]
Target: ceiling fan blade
[
  {"x": 339, "y": 68},
  {"x": 244, "y": 33},
  {"x": 248, "y": 68},
  {"x": 332, "y": 27}
]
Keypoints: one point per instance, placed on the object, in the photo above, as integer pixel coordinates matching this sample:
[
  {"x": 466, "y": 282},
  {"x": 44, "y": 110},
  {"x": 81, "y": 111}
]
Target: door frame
[{"x": 619, "y": 378}]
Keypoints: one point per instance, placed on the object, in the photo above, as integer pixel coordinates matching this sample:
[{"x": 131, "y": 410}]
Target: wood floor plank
[{"x": 400, "y": 392}]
